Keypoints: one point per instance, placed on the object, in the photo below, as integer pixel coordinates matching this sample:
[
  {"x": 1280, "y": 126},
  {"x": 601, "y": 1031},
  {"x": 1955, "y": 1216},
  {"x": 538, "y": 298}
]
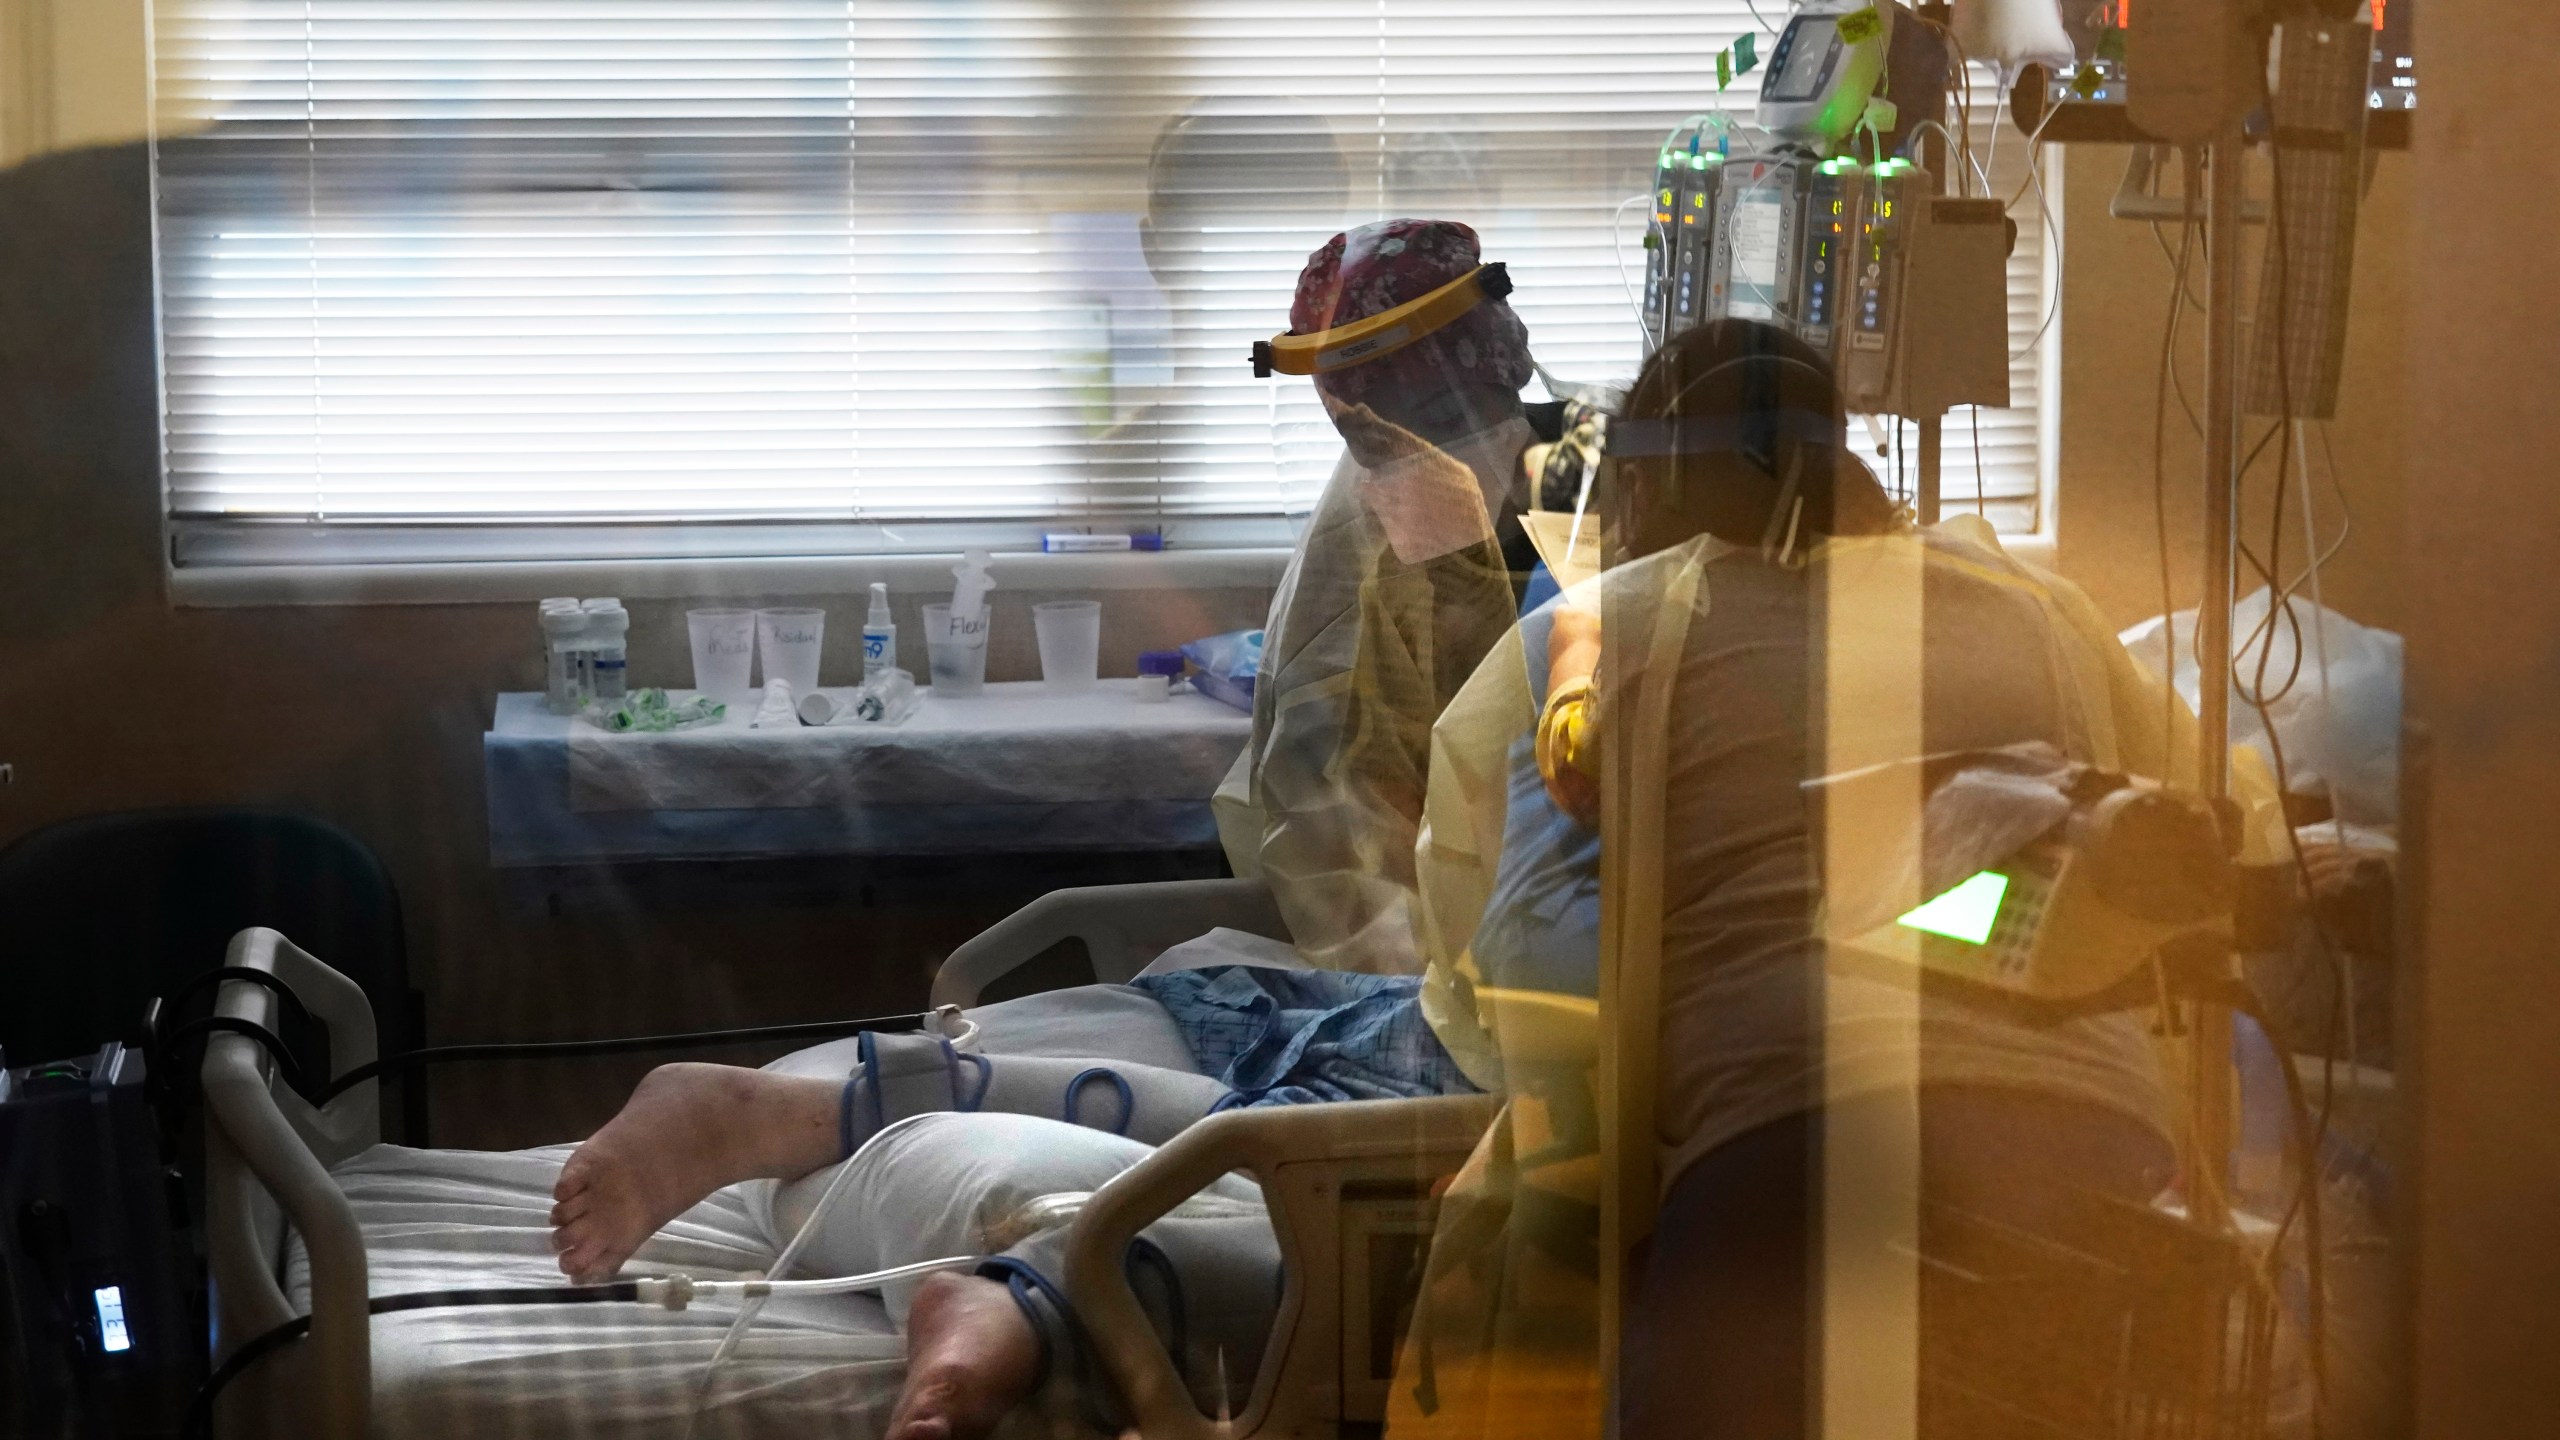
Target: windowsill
[
  {"x": 509, "y": 581},
  {"x": 494, "y": 582}
]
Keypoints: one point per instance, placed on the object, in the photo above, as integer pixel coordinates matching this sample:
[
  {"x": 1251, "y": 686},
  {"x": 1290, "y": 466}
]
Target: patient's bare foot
[
  {"x": 686, "y": 1131},
  {"x": 971, "y": 1356}
]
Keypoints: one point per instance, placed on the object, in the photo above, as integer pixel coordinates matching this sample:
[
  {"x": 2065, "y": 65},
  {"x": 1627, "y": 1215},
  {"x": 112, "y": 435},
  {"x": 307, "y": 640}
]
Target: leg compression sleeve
[
  {"x": 1207, "y": 1275},
  {"x": 902, "y": 1075}
]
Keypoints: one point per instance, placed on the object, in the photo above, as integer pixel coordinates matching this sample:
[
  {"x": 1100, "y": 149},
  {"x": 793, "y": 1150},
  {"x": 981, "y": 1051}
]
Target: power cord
[
  {"x": 617, "y": 1045},
  {"x": 286, "y": 1066},
  {"x": 197, "y": 1423}
]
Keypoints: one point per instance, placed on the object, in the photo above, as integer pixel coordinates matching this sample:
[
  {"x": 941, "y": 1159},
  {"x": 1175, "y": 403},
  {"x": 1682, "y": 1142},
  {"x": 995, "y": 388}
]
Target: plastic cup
[
  {"x": 724, "y": 650},
  {"x": 1070, "y": 634},
  {"x": 789, "y": 641},
  {"x": 957, "y": 650}
]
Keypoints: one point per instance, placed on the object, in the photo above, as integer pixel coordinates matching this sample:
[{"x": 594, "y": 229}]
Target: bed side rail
[
  {"x": 1313, "y": 1162},
  {"x": 1122, "y": 927},
  {"x": 267, "y": 1151}
]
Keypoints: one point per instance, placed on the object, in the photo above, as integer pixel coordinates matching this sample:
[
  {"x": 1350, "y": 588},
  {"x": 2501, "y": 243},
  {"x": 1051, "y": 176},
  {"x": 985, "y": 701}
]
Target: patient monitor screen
[
  {"x": 1805, "y": 61},
  {"x": 1758, "y": 238},
  {"x": 114, "y": 1335}
]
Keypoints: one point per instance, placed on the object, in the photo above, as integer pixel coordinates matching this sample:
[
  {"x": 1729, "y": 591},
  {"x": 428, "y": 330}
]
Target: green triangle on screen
[{"x": 1964, "y": 913}]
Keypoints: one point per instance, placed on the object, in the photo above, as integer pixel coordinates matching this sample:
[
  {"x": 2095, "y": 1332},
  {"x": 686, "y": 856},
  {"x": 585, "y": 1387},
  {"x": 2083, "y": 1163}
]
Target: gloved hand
[
  {"x": 1427, "y": 500},
  {"x": 1568, "y": 744}
]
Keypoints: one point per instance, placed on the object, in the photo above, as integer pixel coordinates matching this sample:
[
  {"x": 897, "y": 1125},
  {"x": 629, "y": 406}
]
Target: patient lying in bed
[{"x": 965, "y": 1140}]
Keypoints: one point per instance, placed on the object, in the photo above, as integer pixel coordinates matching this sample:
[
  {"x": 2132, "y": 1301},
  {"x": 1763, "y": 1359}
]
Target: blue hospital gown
[
  {"x": 1293, "y": 1037},
  {"x": 1296, "y": 1037},
  {"x": 1541, "y": 924}
]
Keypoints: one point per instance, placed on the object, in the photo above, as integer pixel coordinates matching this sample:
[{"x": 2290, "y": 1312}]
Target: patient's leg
[
  {"x": 686, "y": 1131},
  {"x": 971, "y": 1356},
  {"x": 955, "y": 1185}
]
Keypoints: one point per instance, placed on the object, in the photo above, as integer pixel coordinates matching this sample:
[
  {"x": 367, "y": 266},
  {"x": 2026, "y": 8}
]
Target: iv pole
[
  {"x": 2210, "y": 1043},
  {"x": 1936, "y": 159}
]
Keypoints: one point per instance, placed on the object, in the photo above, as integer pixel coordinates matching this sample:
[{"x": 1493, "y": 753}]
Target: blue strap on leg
[
  {"x": 1023, "y": 1281},
  {"x": 1119, "y": 1082},
  {"x": 986, "y": 1081},
  {"x": 1177, "y": 1311},
  {"x": 867, "y": 1048},
  {"x": 866, "y": 1065}
]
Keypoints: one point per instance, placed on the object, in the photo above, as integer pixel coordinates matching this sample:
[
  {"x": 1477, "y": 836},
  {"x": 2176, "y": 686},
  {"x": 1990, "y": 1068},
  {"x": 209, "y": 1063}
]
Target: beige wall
[
  {"x": 2484, "y": 648},
  {"x": 72, "y": 72}
]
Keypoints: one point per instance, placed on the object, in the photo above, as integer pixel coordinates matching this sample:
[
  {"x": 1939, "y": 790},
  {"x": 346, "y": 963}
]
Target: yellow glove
[{"x": 1568, "y": 750}]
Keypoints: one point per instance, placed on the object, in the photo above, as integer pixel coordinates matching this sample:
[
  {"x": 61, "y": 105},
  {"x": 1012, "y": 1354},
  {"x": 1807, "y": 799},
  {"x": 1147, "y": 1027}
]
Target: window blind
[{"x": 871, "y": 273}]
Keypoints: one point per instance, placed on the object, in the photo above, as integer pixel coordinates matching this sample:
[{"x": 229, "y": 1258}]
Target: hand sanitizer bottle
[{"x": 879, "y": 639}]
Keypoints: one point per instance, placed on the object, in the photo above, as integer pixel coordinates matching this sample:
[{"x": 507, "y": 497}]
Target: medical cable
[
  {"x": 248, "y": 974},
  {"x": 2306, "y": 1201},
  {"x": 1617, "y": 252},
  {"x": 286, "y": 1066},
  {"x": 675, "y": 1292},
  {"x": 2311, "y": 1133},
  {"x": 1963, "y": 153},
  {"x": 2045, "y": 225},
  {"x": 2006, "y": 78},
  {"x": 618, "y": 1045},
  {"x": 197, "y": 1422},
  {"x": 2160, "y": 507},
  {"x": 1963, "y": 96}
]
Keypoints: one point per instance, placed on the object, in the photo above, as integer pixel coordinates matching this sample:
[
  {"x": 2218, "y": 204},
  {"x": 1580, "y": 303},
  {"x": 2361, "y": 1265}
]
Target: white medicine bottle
[
  {"x": 564, "y": 634},
  {"x": 879, "y": 638},
  {"x": 607, "y": 643}
]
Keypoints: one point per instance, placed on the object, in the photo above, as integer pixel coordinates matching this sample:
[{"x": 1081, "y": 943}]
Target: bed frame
[{"x": 1335, "y": 1176}]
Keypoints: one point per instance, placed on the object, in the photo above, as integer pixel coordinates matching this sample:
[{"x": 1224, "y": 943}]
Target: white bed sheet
[
  {"x": 811, "y": 1367},
  {"x": 441, "y": 1219}
]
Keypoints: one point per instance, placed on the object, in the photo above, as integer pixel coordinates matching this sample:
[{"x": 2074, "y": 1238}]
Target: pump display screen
[
  {"x": 114, "y": 1336},
  {"x": 2395, "y": 62},
  {"x": 1758, "y": 236},
  {"x": 1966, "y": 913},
  {"x": 1803, "y": 61}
]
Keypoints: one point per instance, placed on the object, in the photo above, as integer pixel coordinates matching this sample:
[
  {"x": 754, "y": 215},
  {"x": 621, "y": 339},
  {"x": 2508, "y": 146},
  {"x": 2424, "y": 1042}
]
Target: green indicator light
[
  {"x": 1965, "y": 913},
  {"x": 1842, "y": 166},
  {"x": 1702, "y": 161},
  {"x": 1895, "y": 166},
  {"x": 1669, "y": 159}
]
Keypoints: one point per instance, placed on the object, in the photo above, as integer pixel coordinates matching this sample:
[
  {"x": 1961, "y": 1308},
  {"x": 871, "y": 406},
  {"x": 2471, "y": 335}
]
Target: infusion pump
[
  {"x": 2070, "y": 922},
  {"x": 1904, "y": 290}
]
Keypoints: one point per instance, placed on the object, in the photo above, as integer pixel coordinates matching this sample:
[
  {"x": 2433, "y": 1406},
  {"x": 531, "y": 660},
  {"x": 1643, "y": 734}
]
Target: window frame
[{"x": 288, "y": 561}]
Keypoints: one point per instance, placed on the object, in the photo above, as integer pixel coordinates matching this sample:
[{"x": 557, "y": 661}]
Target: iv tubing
[{"x": 675, "y": 1292}]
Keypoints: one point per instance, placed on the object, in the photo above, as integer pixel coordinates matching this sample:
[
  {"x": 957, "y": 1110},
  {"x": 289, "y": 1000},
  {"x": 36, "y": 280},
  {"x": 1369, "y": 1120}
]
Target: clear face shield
[{"x": 1439, "y": 460}]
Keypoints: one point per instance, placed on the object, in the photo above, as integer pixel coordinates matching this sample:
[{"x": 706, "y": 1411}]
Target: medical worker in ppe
[
  {"x": 1771, "y": 622},
  {"x": 1408, "y": 572}
]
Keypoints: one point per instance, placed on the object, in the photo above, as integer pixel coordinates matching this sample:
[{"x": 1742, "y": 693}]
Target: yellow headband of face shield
[{"x": 1384, "y": 333}]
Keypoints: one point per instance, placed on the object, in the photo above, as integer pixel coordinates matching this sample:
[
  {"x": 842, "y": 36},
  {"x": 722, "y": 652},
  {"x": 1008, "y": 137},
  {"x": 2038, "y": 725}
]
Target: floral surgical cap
[{"x": 1377, "y": 267}]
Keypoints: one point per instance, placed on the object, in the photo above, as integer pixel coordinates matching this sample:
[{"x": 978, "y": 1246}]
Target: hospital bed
[{"x": 307, "y": 1213}]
